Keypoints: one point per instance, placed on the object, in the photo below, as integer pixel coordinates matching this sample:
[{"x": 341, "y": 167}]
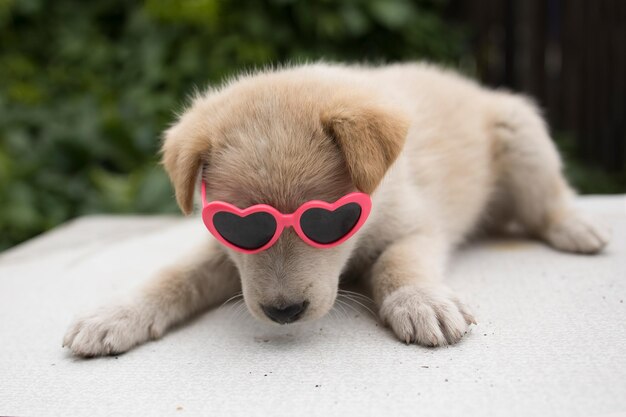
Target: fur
[{"x": 441, "y": 157}]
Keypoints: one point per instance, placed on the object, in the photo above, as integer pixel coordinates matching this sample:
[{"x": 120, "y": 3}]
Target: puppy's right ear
[{"x": 185, "y": 146}]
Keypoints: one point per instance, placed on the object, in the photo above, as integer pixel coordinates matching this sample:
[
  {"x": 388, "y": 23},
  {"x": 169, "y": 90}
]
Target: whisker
[
  {"x": 246, "y": 317},
  {"x": 330, "y": 313},
  {"x": 349, "y": 307},
  {"x": 239, "y": 294},
  {"x": 356, "y": 294},
  {"x": 341, "y": 308},
  {"x": 243, "y": 309},
  {"x": 354, "y": 300},
  {"x": 334, "y": 313},
  {"x": 234, "y": 306},
  {"x": 366, "y": 301},
  {"x": 235, "y": 309},
  {"x": 343, "y": 290},
  {"x": 366, "y": 308}
]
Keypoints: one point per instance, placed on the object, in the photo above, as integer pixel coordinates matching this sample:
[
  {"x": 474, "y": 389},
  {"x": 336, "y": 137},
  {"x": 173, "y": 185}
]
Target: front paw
[
  {"x": 112, "y": 330},
  {"x": 429, "y": 316}
]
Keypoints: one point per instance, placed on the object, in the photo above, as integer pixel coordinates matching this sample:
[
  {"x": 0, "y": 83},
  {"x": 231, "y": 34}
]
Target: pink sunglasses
[{"x": 256, "y": 228}]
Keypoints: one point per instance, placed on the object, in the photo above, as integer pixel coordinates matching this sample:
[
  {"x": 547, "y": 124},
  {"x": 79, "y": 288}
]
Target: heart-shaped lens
[
  {"x": 325, "y": 226},
  {"x": 250, "y": 232}
]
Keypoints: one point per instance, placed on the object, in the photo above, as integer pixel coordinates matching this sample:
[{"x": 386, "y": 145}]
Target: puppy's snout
[{"x": 287, "y": 314}]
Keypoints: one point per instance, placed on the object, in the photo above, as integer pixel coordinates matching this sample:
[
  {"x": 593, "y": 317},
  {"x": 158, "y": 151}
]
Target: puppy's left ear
[
  {"x": 185, "y": 145},
  {"x": 370, "y": 137}
]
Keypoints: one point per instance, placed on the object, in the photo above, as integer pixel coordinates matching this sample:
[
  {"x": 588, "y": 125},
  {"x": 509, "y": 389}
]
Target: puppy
[{"x": 440, "y": 157}]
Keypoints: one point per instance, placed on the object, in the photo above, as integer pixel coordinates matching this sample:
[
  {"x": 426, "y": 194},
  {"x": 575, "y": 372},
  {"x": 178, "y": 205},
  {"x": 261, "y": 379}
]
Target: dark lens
[
  {"x": 325, "y": 227},
  {"x": 250, "y": 232}
]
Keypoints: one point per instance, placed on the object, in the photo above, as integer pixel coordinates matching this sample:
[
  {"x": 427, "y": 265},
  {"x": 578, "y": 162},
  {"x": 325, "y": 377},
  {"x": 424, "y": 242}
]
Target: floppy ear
[
  {"x": 370, "y": 138},
  {"x": 183, "y": 148}
]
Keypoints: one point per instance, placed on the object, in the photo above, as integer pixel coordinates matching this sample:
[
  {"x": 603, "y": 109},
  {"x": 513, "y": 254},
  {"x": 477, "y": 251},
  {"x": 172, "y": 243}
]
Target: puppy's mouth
[{"x": 285, "y": 314}]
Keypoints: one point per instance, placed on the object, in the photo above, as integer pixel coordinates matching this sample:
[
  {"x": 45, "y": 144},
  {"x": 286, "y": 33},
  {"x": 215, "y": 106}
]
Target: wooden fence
[{"x": 569, "y": 54}]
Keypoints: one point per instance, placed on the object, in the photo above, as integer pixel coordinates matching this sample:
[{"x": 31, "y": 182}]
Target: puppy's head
[{"x": 282, "y": 140}]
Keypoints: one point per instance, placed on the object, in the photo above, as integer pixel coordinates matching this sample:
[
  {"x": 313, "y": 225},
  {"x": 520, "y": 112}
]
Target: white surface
[{"x": 551, "y": 338}]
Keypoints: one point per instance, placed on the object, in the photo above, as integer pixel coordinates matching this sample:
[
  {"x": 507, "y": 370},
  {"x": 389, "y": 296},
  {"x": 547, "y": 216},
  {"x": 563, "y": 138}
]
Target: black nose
[{"x": 287, "y": 314}]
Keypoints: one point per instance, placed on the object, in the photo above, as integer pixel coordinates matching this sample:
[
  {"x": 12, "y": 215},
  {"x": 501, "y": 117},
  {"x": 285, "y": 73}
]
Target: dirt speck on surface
[
  {"x": 425, "y": 366},
  {"x": 317, "y": 386},
  {"x": 179, "y": 408}
]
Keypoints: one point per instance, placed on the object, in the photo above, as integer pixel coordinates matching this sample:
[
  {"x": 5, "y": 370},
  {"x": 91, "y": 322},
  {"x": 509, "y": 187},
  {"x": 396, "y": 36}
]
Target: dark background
[{"x": 86, "y": 87}]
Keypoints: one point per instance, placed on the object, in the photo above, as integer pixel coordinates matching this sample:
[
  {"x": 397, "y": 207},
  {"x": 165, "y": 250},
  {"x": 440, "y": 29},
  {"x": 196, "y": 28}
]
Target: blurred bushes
[{"x": 87, "y": 87}]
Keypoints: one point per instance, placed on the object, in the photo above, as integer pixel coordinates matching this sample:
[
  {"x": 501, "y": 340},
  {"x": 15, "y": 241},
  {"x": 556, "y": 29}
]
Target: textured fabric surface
[{"x": 551, "y": 338}]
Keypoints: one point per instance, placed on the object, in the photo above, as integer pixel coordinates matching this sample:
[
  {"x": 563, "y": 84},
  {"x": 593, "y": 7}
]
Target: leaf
[{"x": 393, "y": 14}]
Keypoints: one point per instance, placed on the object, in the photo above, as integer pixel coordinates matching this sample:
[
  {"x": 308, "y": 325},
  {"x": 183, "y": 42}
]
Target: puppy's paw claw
[{"x": 429, "y": 316}]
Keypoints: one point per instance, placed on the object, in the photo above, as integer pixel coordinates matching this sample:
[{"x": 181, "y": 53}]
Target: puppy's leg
[
  {"x": 406, "y": 282},
  {"x": 201, "y": 281},
  {"x": 532, "y": 181}
]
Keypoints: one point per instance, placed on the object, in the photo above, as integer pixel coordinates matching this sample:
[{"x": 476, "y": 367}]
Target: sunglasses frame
[{"x": 284, "y": 220}]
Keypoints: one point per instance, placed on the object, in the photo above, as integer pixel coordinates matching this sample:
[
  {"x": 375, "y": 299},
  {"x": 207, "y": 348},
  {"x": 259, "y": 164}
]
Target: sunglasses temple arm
[{"x": 203, "y": 194}]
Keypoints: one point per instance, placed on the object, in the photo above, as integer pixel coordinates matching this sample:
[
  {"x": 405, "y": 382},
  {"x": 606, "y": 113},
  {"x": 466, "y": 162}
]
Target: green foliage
[
  {"x": 588, "y": 178},
  {"x": 87, "y": 87}
]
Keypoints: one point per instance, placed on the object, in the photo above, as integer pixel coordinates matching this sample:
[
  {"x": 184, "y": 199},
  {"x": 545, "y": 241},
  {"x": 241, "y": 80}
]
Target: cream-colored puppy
[{"x": 440, "y": 156}]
